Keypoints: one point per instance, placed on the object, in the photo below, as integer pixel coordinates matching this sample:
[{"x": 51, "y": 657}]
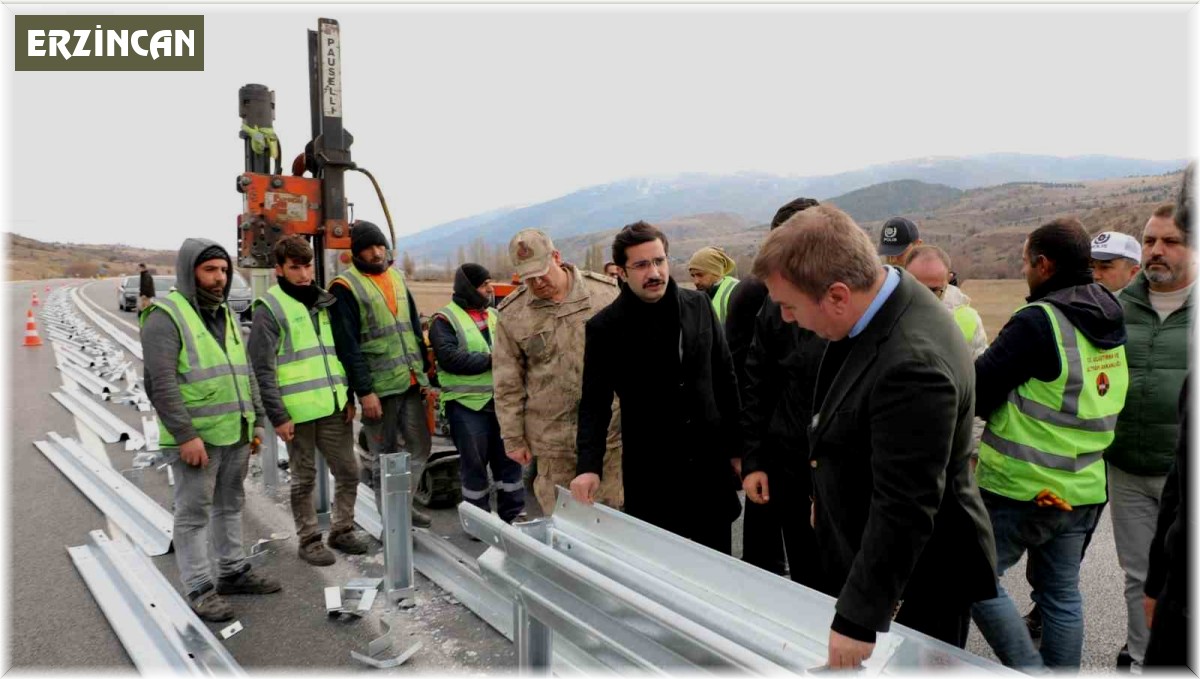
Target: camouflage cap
[{"x": 531, "y": 252}]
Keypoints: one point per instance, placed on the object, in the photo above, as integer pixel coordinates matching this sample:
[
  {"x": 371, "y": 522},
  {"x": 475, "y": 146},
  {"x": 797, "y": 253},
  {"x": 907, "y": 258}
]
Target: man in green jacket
[{"x": 1158, "y": 314}]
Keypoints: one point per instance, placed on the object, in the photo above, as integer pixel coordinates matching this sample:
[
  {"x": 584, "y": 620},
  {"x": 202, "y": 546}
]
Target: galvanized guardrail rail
[{"x": 596, "y": 590}]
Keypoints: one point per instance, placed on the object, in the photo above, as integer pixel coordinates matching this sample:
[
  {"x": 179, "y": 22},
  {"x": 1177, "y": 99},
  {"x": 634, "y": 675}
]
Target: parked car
[{"x": 127, "y": 301}]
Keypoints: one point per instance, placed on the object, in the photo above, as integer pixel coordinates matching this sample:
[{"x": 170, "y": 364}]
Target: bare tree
[{"x": 407, "y": 265}]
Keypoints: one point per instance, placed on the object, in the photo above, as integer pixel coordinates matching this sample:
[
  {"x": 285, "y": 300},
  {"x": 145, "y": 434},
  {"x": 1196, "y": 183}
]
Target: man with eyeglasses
[
  {"x": 661, "y": 350},
  {"x": 537, "y": 366},
  {"x": 930, "y": 265}
]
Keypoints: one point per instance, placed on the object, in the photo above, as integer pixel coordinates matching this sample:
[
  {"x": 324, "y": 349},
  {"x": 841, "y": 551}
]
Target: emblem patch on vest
[{"x": 1102, "y": 384}]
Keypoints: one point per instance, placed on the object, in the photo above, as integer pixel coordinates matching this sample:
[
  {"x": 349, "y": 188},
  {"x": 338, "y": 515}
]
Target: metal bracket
[
  {"x": 157, "y": 628},
  {"x": 231, "y": 630},
  {"x": 381, "y": 644},
  {"x": 141, "y": 518}
]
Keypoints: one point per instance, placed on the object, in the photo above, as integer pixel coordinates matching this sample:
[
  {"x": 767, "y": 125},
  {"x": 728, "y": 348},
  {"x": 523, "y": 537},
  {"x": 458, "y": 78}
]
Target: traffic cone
[
  {"x": 31, "y": 336},
  {"x": 35, "y": 302}
]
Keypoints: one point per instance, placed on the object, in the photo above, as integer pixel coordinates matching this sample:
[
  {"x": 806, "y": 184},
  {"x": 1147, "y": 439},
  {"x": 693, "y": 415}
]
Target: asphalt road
[{"x": 56, "y": 624}]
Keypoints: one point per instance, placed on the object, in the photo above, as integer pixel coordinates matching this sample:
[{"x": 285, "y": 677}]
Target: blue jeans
[
  {"x": 476, "y": 434},
  {"x": 1054, "y": 539}
]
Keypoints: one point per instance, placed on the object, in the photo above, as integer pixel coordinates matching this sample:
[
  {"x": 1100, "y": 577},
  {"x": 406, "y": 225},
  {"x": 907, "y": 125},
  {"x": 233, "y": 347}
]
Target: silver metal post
[
  {"x": 270, "y": 461},
  {"x": 532, "y": 640},
  {"x": 322, "y": 495},
  {"x": 397, "y": 526}
]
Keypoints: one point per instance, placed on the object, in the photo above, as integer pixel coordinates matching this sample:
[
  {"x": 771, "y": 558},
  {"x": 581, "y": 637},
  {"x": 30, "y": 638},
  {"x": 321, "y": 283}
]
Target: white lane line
[
  {"x": 134, "y": 345},
  {"x": 83, "y": 292}
]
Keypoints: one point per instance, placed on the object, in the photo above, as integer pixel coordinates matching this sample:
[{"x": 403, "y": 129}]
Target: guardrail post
[
  {"x": 396, "y": 513},
  {"x": 532, "y": 640},
  {"x": 270, "y": 461},
  {"x": 322, "y": 494}
]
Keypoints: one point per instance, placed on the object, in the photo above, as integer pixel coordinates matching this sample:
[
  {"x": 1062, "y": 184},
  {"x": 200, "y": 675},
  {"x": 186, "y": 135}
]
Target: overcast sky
[{"x": 458, "y": 110}]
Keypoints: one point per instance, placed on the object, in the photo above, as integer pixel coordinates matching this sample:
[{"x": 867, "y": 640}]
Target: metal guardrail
[
  {"x": 616, "y": 593},
  {"x": 156, "y": 627},
  {"x": 140, "y": 517},
  {"x": 134, "y": 345},
  {"x": 109, "y": 427}
]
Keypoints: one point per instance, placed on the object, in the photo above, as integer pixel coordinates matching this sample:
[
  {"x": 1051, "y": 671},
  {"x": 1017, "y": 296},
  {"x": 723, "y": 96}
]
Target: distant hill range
[
  {"x": 914, "y": 186},
  {"x": 982, "y": 229},
  {"x": 30, "y": 259}
]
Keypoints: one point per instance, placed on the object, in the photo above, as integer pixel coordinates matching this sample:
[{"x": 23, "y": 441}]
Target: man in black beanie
[
  {"x": 376, "y": 329},
  {"x": 462, "y": 335}
]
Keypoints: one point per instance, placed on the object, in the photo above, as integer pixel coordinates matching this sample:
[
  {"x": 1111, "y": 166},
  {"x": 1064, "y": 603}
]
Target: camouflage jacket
[{"x": 537, "y": 365}]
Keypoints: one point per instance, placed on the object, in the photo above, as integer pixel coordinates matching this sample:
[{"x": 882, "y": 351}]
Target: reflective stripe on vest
[
  {"x": 386, "y": 340},
  {"x": 311, "y": 381},
  {"x": 720, "y": 301},
  {"x": 1052, "y": 435},
  {"x": 472, "y": 391},
  {"x": 968, "y": 322},
  {"x": 214, "y": 381}
]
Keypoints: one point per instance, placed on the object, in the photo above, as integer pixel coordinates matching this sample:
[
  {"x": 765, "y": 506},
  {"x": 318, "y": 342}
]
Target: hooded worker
[
  {"x": 198, "y": 379},
  {"x": 710, "y": 269}
]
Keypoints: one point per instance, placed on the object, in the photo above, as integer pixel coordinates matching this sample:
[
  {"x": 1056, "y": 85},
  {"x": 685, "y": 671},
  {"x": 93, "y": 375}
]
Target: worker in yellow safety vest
[
  {"x": 305, "y": 396},
  {"x": 462, "y": 333},
  {"x": 710, "y": 269},
  {"x": 1050, "y": 387}
]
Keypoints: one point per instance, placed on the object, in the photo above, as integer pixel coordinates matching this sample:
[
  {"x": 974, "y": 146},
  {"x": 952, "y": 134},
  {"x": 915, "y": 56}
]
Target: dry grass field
[{"x": 995, "y": 300}]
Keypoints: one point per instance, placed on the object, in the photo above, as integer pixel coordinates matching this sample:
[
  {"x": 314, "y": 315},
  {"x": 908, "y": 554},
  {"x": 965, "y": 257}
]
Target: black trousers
[
  {"x": 1168, "y": 645},
  {"x": 937, "y": 617},
  {"x": 762, "y": 538}
]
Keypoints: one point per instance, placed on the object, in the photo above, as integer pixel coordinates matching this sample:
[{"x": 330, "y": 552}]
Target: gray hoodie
[{"x": 161, "y": 345}]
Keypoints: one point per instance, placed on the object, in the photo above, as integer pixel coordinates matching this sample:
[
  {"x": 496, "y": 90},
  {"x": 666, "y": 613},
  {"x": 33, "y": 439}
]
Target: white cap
[{"x": 1112, "y": 244}]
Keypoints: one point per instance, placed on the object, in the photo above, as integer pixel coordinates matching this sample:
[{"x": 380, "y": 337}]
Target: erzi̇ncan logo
[{"x": 109, "y": 42}]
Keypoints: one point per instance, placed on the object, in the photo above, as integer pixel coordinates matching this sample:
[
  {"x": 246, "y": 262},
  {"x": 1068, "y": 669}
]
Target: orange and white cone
[
  {"x": 35, "y": 302},
  {"x": 31, "y": 336}
]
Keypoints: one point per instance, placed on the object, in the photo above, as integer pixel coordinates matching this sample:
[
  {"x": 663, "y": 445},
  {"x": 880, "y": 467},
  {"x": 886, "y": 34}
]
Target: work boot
[
  {"x": 1124, "y": 660},
  {"x": 420, "y": 519},
  {"x": 247, "y": 582},
  {"x": 348, "y": 541},
  {"x": 209, "y": 605},
  {"x": 313, "y": 551}
]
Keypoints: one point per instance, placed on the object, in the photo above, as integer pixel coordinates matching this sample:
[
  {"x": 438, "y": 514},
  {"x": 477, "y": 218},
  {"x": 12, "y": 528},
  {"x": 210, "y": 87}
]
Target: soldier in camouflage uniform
[{"x": 537, "y": 366}]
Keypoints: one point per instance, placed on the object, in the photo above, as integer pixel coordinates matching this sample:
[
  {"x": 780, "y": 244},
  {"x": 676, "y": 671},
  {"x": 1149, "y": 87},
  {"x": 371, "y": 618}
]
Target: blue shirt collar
[{"x": 890, "y": 283}]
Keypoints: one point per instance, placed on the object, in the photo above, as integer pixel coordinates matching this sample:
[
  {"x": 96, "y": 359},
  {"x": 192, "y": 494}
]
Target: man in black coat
[
  {"x": 776, "y": 366},
  {"x": 661, "y": 350},
  {"x": 900, "y": 526}
]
